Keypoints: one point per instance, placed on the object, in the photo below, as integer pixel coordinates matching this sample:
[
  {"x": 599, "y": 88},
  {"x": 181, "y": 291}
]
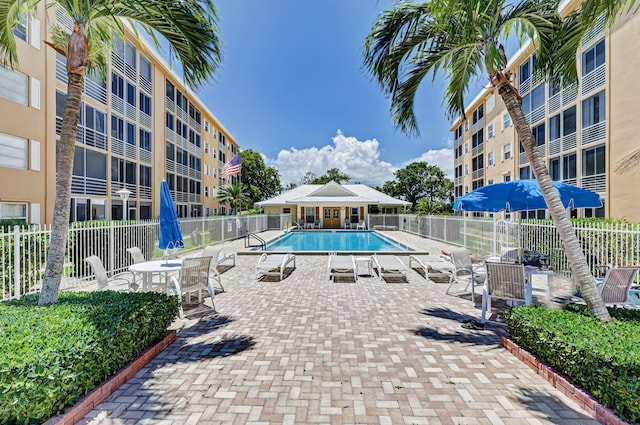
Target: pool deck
[{"x": 310, "y": 351}]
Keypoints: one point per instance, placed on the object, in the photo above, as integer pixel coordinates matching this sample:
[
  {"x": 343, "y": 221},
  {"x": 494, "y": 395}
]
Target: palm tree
[
  {"x": 462, "y": 39},
  {"x": 236, "y": 194},
  {"x": 190, "y": 28},
  {"x": 427, "y": 206}
]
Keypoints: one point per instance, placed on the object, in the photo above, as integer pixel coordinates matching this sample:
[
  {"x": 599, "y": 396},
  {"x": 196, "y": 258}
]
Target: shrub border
[
  {"x": 87, "y": 402},
  {"x": 585, "y": 400}
]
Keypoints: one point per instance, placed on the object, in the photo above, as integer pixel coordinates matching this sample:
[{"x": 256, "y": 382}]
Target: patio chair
[
  {"x": 433, "y": 261},
  {"x": 300, "y": 224},
  {"x": 389, "y": 266},
  {"x": 117, "y": 282},
  {"x": 274, "y": 264},
  {"x": 507, "y": 282},
  {"x": 316, "y": 223},
  {"x": 361, "y": 225},
  {"x": 218, "y": 257},
  {"x": 196, "y": 238},
  {"x": 615, "y": 287},
  {"x": 194, "y": 277},
  {"x": 464, "y": 271},
  {"x": 342, "y": 265}
]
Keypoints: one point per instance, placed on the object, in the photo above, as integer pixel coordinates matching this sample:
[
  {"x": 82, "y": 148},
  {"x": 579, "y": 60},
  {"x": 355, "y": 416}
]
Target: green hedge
[
  {"x": 603, "y": 358},
  {"x": 50, "y": 356}
]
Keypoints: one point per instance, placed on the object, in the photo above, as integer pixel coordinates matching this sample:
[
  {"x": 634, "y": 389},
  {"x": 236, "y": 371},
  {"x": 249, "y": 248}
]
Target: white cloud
[
  {"x": 360, "y": 160},
  {"x": 443, "y": 158}
]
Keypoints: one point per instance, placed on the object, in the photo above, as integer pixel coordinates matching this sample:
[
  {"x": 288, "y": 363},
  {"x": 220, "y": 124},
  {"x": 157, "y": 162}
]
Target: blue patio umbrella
[
  {"x": 170, "y": 233},
  {"x": 523, "y": 195}
]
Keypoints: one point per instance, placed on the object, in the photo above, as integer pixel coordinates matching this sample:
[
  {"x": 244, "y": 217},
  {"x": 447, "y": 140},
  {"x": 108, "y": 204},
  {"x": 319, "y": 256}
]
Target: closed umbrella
[
  {"x": 170, "y": 233},
  {"x": 523, "y": 195}
]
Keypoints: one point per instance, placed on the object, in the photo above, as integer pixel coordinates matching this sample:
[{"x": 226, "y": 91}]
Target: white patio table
[{"x": 148, "y": 268}]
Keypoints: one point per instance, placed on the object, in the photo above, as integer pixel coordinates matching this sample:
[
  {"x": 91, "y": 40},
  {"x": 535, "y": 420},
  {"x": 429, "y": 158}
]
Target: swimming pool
[{"x": 335, "y": 240}]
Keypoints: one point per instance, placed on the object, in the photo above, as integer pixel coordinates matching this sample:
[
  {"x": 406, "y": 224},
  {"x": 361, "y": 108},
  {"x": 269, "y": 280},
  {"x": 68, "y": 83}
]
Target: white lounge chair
[
  {"x": 465, "y": 271},
  {"x": 341, "y": 265},
  {"x": 434, "y": 261},
  {"x": 115, "y": 283},
  {"x": 505, "y": 281},
  {"x": 389, "y": 266},
  {"x": 616, "y": 284},
  {"x": 218, "y": 257},
  {"x": 361, "y": 225},
  {"x": 194, "y": 277},
  {"x": 274, "y": 264}
]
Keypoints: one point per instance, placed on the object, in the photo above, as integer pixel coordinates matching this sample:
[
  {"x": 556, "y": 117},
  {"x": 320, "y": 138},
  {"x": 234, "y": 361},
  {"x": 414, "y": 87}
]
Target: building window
[
  {"x": 169, "y": 121},
  {"x": 145, "y": 176},
  {"x": 206, "y": 148},
  {"x": 491, "y": 159},
  {"x": 130, "y": 55},
  {"x": 466, "y": 147},
  {"x": 507, "y": 178},
  {"x": 593, "y": 110},
  {"x": 145, "y": 103},
  {"x": 13, "y": 211},
  {"x": 538, "y": 134},
  {"x": 145, "y": 140},
  {"x": 206, "y": 191},
  {"x": 569, "y": 166},
  {"x": 131, "y": 94},
  {"x": 466, "y": 169},
  {"x": 527, "y": 68},
  {"x": 593, "y": 58},
  {"x": 117, "y": 85},
  {"x": 593, "y": 161},
  {"x": 170, "y": 90},
  {"x": 478, "y": 114},
  {"x": 13, "y": 151},
  {"x": 554, "y": 169},
  {"x": 14, "y": 86},
  {"x": 506, "y": 121},
  {"x": 525, "y": 173},
  {"x": 20, "y": 30},
  {"x": 569, "y": 121},
  {"x": 554, "y": 128},
  {"x": 506, "y": 151},
  {"x": 490, "y": 132},
  {"x": 206, "y": 126},
  {"x": 145, "y": 68},
  {"x": 117, "y": 127}
]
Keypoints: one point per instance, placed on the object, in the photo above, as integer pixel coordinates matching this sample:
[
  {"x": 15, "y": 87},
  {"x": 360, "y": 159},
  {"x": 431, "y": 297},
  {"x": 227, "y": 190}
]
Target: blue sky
[{"x": 293, "y": 87}]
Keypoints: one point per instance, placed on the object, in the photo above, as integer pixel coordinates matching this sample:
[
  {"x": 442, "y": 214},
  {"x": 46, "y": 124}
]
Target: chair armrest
[{"x": 174, "y": 286}]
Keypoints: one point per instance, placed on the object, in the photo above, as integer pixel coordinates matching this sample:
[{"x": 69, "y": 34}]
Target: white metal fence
[
  {"x": 604, "y": 243},
  {"x": 23, "y": 249}
]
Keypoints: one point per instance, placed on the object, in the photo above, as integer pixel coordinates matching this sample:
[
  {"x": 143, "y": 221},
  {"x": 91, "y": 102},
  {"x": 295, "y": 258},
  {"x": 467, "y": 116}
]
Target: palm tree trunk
[
  {"x": 64, "y": 160},
  {"x": 572, "y": 249}
]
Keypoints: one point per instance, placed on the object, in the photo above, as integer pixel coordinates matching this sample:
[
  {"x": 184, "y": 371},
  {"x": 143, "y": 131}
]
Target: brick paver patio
[{"x": 310, "y": 351}]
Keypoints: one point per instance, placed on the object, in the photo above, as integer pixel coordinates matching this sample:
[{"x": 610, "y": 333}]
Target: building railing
[{"x": 24, "y": 249}]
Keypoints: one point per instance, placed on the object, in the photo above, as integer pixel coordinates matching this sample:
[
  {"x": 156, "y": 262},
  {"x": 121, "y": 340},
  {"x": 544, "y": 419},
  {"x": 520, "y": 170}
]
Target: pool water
[{"x": 336, "y": 240}]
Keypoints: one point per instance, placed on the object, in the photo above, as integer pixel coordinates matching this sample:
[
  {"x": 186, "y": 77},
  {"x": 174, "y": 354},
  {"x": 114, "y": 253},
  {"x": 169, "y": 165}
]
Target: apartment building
[
  {"x": 138, "y": 125},
  {"x": 583, "y": 130}
]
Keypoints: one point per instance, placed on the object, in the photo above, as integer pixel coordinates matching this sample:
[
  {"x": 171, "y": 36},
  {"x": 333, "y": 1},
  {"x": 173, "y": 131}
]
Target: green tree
[
  {"x": 189, "y": 26},
  {"x": 308, "y": 178},
  {"x": 462, "y": 38},
  {"x": 262, "y": 182},
  {"x": 235, "y": 194},
  {"x": 420, "y": 180},
  {"x": 332, "y": 174},
  {"x": 427, "y": 206}
]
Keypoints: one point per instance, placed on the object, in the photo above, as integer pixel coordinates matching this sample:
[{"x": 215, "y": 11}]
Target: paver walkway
[{"x": 310, "y": 351}]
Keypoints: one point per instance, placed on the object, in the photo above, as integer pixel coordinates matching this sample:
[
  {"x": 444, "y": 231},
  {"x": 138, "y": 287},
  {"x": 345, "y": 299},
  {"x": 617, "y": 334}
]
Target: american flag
[{"x": 232, "y": 167}]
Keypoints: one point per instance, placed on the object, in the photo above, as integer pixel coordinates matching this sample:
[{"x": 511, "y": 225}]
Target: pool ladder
[{"x": 261, "y": 242}]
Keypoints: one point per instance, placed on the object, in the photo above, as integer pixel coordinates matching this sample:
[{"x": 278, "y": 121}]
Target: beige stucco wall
[{"x": 623, "y": 117}]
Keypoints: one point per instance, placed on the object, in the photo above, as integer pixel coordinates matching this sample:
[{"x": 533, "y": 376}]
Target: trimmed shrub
[
  {"x": 52, "y": 355},
  {"x": 603, "y": 358}
]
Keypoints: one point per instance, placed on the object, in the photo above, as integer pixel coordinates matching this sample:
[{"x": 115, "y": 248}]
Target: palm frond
[
  {"x": 189, "y": 26},
  {"x": 11, "y": 11}
]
